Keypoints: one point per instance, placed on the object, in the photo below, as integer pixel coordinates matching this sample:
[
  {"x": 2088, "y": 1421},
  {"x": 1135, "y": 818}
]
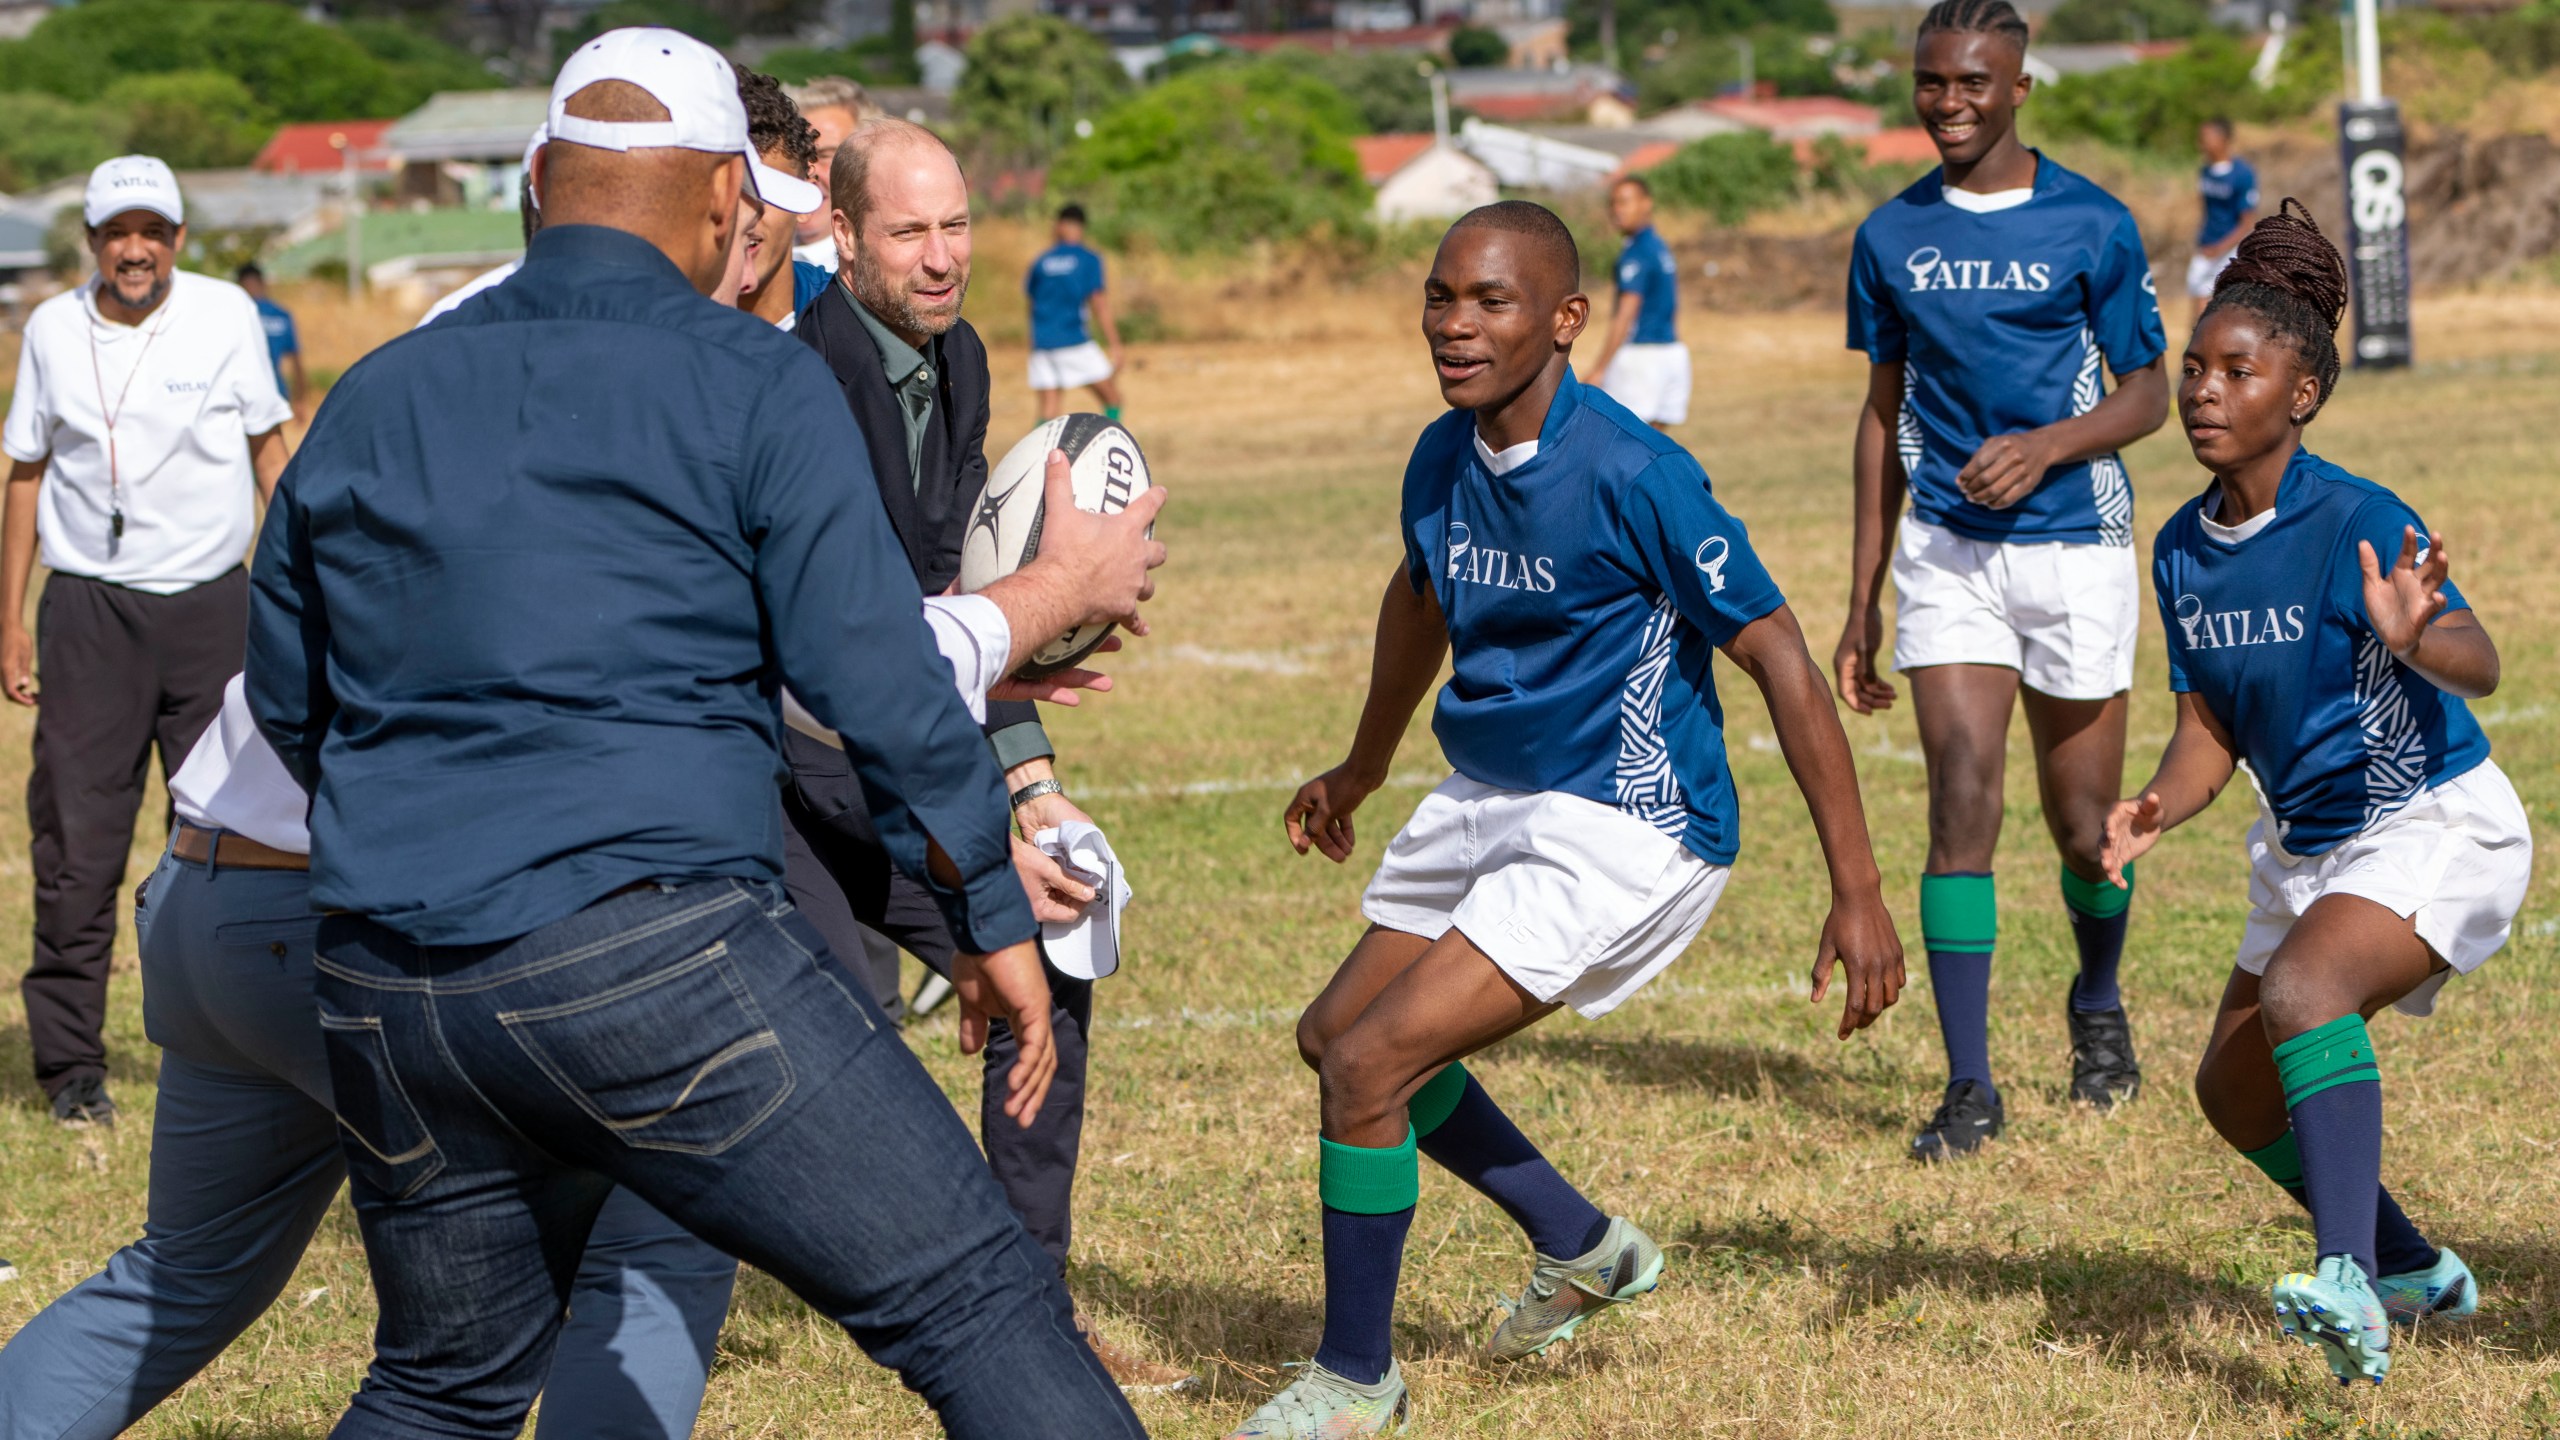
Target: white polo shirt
[{"x": 188, "y": 387}]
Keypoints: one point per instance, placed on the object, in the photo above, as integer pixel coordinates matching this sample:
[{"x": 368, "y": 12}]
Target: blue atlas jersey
[
  {"x": 2271, "y": 633},
  {"x": 1060, "y": 282},
  {"x": 2229, "y": 191},
  {"x": 2003, "y": 322},
  {"x": 1646, "y": 270},
  {"x": 282, "y": 340},
  {"x": 1586, "y": 592}
]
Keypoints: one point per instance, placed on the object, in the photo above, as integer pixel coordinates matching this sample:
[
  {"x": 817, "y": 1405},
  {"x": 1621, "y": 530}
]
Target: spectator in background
[
  {"x": 1064, "y": 281},
  {"x": 833, "y": 105},
  {"x": 1642, "y": 363},
  {"x": 146, "y": 417},
  {"x": 2229, "y": 190},
  {"x": 283, "y": 343}
]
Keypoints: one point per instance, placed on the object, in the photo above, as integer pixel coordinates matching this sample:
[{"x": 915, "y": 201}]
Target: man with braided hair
[
  {"x": 1988, "y": 298},
  {"x": 2315, "y": 633}
]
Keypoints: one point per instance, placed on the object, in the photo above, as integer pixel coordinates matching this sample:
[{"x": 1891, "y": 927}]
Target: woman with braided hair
[{"x": 2315, "y": 633}]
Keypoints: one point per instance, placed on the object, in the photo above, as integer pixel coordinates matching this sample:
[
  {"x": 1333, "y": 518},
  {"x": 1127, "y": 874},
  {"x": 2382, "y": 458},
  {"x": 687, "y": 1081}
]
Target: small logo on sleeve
[{"x": 1712, "y": 553}]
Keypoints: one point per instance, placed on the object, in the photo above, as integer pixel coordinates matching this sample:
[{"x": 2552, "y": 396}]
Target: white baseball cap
[
  {"x": 700, "y": 90},
  {"x": 134, "y": 182}
]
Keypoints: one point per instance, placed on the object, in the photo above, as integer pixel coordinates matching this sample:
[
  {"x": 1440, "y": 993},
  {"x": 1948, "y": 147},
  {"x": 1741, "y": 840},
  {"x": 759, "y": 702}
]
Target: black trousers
[
  {"x": 123, "y": 670},
  {"x": 840, "y": 876}
]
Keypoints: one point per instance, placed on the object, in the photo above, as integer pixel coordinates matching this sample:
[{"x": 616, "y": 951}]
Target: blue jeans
[
  {"x": 696, "y": 1045},
  {"x": 245, "y": 1159}
]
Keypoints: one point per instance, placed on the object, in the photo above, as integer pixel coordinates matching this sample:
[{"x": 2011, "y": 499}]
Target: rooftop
[
  {"x": 307, "y": 147},
  {"x": 469, "y": 125}
]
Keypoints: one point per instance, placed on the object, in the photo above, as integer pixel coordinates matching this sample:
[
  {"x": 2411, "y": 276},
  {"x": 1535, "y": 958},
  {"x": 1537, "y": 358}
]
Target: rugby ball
[{"x": 1108, "y": 472}]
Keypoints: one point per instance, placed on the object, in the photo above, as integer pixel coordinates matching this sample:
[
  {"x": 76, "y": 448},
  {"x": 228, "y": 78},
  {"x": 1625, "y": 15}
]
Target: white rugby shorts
[
  {"x": 1580, "y": 903},
  {"x": 1072, "y": 368},
  {"x": 2203, "y": 270},
  {"x": 2064, "y": 616},
  {"x": 2455, "y": 859},
  {"x": 1652, "y": 381}
]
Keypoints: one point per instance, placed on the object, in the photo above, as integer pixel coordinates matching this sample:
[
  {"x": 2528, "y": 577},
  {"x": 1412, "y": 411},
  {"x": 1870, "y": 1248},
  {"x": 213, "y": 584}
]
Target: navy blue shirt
[
  {"x": 2002, "y": 322},
  {"x": 2227, "y": 195},
  {"x": 527, "y": 595},
  {"x": 1061, "y": 281},
  {"x": 1647, "y": 271},
  {"x": 1586, "y": 592},
  {"x": 277, "y": 321},
  {"x": 2271, "y": 633}
]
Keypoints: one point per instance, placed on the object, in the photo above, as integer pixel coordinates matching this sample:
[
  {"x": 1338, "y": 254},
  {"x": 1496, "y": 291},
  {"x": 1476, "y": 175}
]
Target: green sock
[
  {"x": 1430, "y": 1106},
  {"x": 2098, "y": 920},
  {"x": 1364, "y": 1181},
  {"x": 1111, "y": 413},
  {"x": 1959, "y": 923},
  {"x": 2280, "y": 1162}
]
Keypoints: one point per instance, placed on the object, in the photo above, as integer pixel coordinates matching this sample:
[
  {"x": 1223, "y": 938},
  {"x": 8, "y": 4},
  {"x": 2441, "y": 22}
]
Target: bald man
[
  {"x": 1557, "y": 866},
  {"x": 557, "y": 955},
  {"x": 915, "y": 376}
]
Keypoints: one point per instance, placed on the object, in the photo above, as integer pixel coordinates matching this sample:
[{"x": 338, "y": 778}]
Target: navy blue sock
[
  {"x": 2397, "y": 1245},
  {"x": 1960, "y": 986},
  {"x": 1479, "y": 1144},
  {"x": 1362, "y": 1255},
  {"x": 1960, "y": 924},
  {"x": 2334, "y": 1090},
  {"x": 2099, "y": 915}
]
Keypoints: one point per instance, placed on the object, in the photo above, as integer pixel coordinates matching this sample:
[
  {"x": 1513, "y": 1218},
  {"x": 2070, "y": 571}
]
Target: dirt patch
[{"x": 2480, "y": 208}]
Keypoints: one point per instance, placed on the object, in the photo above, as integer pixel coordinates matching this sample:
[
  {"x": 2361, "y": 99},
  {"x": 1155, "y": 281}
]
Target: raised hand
[
  {"x": 2404, "y": 601},
  {"x": 2133, "y": 827}
]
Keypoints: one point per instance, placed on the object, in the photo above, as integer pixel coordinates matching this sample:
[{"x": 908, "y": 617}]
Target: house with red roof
[{"x": 317, "y": 146}]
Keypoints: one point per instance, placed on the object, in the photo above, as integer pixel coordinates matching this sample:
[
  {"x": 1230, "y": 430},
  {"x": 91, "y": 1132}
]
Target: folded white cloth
[{"x": 1087, "y": 948}]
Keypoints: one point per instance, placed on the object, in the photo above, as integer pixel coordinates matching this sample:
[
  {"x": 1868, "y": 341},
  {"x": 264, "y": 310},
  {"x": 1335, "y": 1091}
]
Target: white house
[
  {"x": 1421, "y": 178},
  {"x": 1526, "y": 161}
]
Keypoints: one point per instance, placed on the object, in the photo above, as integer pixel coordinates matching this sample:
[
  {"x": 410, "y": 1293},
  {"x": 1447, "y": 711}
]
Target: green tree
[
  {"x": 194, "y": 119},
  {"x": 1389, "y": 91},
  {"x": 1030, "y": 79},
  {"x": 1728, "y": 176},
  {"x": 2156, "y": 105},
  {"x": 1474, "y": 45},
  {"x": 2087, "y": 21},
  {"x": 295, "y": 68},
  {"x": 45, "y": 137},
  {"x": 1219, "y": 157},
  {"x": 684, "y": 15}
]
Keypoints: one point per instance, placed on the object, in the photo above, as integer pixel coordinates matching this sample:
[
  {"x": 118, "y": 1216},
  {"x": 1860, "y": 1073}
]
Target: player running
[
  {"x": 2315, "y": 633},
  {"x": 1989, "y": 296},
  {"x": 1577, "y": 565}
]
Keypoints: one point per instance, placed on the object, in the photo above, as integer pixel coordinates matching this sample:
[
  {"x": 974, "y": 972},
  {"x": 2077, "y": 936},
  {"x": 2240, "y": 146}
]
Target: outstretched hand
[
  {"x": 1320, "y": 813},
  {"x": 2403, "y": 602},
  {"x": 2133, "y": 827},
  {"x": 1859, "y": 936}
]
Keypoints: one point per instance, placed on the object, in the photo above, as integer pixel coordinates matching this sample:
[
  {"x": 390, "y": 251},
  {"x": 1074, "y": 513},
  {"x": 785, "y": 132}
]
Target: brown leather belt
[{"x": 225, "y": 850}]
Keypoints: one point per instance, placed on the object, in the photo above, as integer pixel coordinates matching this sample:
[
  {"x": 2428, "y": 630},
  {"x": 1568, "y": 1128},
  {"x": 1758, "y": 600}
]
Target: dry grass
[{"x": 2090, "y": 1277}]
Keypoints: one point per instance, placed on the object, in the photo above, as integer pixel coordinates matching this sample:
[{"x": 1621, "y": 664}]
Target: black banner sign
[{"x": 2374, "y": 147}]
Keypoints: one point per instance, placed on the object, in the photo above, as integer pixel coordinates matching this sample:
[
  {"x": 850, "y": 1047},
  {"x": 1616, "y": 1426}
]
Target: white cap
[
  {"x": 699, "y": 89},
  {"x": 533, "y": 147},
  {"x": 134, "y": 182}
]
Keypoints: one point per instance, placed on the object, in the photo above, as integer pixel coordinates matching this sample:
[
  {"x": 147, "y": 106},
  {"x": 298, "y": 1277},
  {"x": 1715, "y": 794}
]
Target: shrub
[
  {"x": 1222, "y": 156},
  {"x": 1474, "y": 45},
  {"x": 2157, "y": 104},
  {"x": 45, "y": 137},
  {"x": 1030, "y": 79},
  {"x": 1728, "y": 176},
  {"x": 194, "y": 119},
  {"x": 2084, "y": 21}
]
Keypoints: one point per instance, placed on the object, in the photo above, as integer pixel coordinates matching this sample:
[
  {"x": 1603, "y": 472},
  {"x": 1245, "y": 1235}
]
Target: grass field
[{"x": 2091, "y": 1276}]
